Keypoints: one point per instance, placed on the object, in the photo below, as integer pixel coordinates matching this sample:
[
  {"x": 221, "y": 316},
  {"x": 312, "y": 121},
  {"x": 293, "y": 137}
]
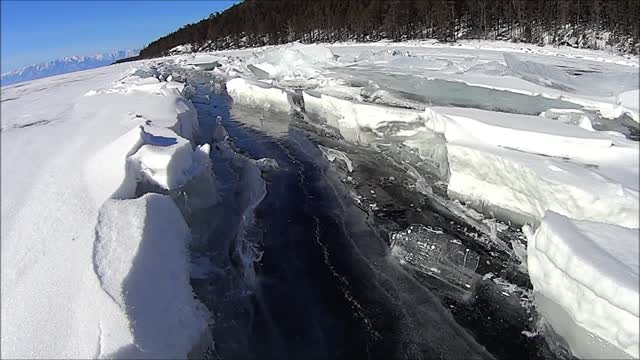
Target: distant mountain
[{"x": 63, "y": 66}]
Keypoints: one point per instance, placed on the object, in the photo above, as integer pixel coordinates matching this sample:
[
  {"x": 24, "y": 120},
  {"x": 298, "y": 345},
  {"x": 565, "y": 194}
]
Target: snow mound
[
  {"x": 590, "y": 270},
  {"x": 260, "y": 95},
  {"x": 142, "y": 262}
]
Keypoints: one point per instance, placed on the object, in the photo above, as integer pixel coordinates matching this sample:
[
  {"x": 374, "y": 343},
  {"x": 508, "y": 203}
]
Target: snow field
[{"x": 88, "y": 270}]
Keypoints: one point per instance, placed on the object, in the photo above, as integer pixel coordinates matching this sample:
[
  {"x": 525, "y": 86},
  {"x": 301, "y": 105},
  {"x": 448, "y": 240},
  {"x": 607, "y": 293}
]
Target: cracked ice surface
[
  {"x": 78, "y": 148},
  {"x": 509, "y": 164}
]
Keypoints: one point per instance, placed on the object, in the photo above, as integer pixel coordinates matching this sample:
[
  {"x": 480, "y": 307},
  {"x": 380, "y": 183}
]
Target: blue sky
[{"x": 36, "y": 31}]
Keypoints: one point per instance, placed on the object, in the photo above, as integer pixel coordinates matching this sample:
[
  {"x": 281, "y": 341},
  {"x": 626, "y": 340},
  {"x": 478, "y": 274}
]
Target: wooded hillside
[{"x": 594, "y": 24}]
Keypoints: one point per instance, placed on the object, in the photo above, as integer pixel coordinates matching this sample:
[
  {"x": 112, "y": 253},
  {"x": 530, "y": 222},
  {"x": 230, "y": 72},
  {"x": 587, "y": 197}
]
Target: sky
[{"x": 35, "y": 31}]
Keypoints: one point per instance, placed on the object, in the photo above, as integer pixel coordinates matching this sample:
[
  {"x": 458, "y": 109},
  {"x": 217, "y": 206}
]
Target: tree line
[{"x": 595, "y": 24}]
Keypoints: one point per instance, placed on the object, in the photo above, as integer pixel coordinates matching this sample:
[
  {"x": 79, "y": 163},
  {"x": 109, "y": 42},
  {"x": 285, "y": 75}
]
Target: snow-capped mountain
[{"x": 63, "y": 66}]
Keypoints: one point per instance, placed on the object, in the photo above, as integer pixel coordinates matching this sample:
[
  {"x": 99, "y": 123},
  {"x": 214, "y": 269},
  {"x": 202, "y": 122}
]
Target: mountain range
[{"x": 64, "y": 65}]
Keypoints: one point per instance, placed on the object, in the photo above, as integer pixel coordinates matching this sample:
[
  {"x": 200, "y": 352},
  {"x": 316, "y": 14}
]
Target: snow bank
[
  {"x": 260, "y": 95},
  {"x": 171, "y": 109},
  {"x": 112, "y": 277},
  {"x": 589, "y": 269},
  {"x": 141, "y": 259}
]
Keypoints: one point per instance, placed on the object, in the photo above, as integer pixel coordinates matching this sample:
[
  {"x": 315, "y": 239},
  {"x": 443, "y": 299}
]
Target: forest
[{"x": 595, "y": 24}]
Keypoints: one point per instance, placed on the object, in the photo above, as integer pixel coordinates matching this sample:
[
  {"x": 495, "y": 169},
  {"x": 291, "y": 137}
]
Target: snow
[
  {"x": 589, "y": 269},
  {"x": 142, "y": 263},
  {"x": 68, "y": 199},
  {"x": 496, "y": 159}
]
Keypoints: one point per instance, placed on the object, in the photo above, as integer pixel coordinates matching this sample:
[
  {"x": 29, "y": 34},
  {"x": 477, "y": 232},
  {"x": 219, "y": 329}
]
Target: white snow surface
[
  {"x": 591, "y": 270},
  {"x": 87, "y": 270},
  {"x": 140, "y": 258}
]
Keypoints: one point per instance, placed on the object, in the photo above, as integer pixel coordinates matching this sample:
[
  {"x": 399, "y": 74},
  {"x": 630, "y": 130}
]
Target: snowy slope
[{"x": 63, "y": 66}]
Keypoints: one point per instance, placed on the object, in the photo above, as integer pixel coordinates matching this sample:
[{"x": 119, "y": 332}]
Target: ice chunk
[
  {"x": 527, "y": 185},
  {"x": 333, "y": 154},
  {"x": 421, "y": 184},
  {"x": 355, "y": 120},
  {"x": 433, "y": 252},
  {"x": 107, "y": 174},
  {"x": 521, "y": 132},
  {"x": 267, "y": 164},
  {"x": 167, "y": 159},
  {"x": 590, "y": 270},
  {"x": 259, "y": 94},
  {"x": 630, "y": 100},
  {"x": 570, "y": 116},
  {"x": 142, "y": 262},
  {"x": 293, "y": 61},
  {"x": 539, "y": 73}
]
